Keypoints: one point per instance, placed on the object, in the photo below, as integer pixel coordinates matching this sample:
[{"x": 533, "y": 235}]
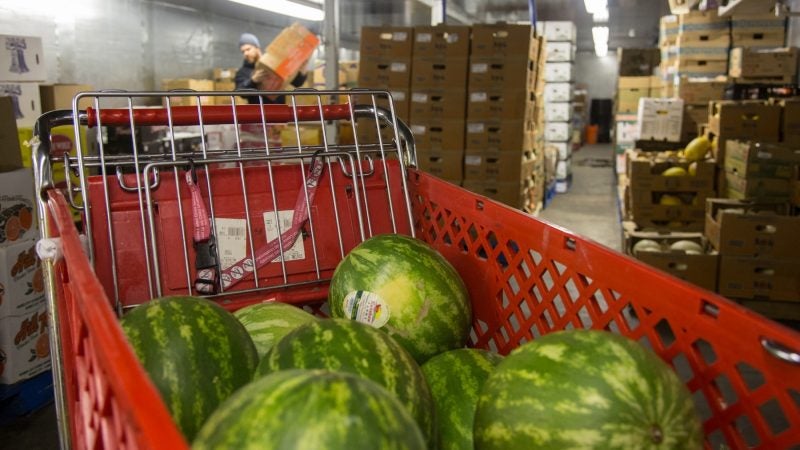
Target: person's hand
[{"x": 259, "y": 75}]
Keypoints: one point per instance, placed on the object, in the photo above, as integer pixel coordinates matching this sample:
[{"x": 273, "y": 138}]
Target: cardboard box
[
  {"x": 759, "y": 278},
  {"x": 558, "y": 92},
  {"x": 59, "y": 96},
  {"x": 645, "y": 174},
  {"x": 660, "y": 119},
  {"x": 385, "y": 74},
  {"x": 439, "y": 135},
  {"x": 558, "y": 131},
  {"x": 710, "y": 45},
  {"x": 22, "y": 59},
  {"x": 499, "y": 165},
  {"x": 761, "y": 160},
  {"x": 559, "y": 72},
  {"x": 445, "y": 164},
  {"x": 755, "y": 120},
  {"x": 441, "y": 42},
  {"x": 501, "y": 41},
  {"x": 694, "y": 118},
  {"x": 646, "y": 209},
  {"x": 223, "y": 74},
  {"x": 668, "y": 30},
  {"x": 439, "y": 74},
  {"x": 702, "y": 21},
  {"x": 750, "y": 63},
  {"x": 394, "y": 43},
  {"x": 773, "y": 310},
  {"x": 558, "y": 112},
  {"x": 790, "y": 123},
  {"x": 628, "y": 99},
  {"x": 188, "y": 83},
  {"x": 486, "y": 74},
  {"x": 21, "y": 278},
  {"x": 696, "y": 68},
  {"x": 497, "y": 135},
  {"x": 516, "y": 194},
  {"x": 25, "y": 99},
  {"x": 625, "y": 131},
  {"x": 24, "y": 344},
  {"x": 560, "y": 31},
  {"x": 748, "y": 228},
  {"x": 503, "y": 105},
  {"x": 758, "y": 22},
  {"x": 699, "y": 269},
  {"x": 741, "y": 188},
  {"x": 287, "y": 54},
  {"x": 637, "y": 62},
  {"x": 225, "y": 86},
  {"x": 639, "y": 82},
  {"x": 758, "y": 39},
  {"x": 10, "y": 136},
  {"x": 699, "y": 92},
  {"x": 438, "y": 104},
  {"x": 560, "y": 52},
  {"x": 17, "y": 207}
]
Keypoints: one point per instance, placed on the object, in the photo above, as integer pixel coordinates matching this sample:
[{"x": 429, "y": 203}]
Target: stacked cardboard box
[
  {"x": 759, "y": 255},
  {"x": 758, "y": 121},
  {"x": 696, "y": 94},
  {"x": 768, "y": 65},
  {"x": 224, "y": 81},
  {"x": 758, "y": 31},
  {"x": 22, "y": 68},
  {"x": 386, "y": 55},
  {"x": 559, "y": 113},
  {"x": 182, "y": 84},
  {"x": 500, "y": 161},
  {"x": 439, "y": 99},
  {"x": 700, "y": 47},
  {"x": 757, "y": 171}
]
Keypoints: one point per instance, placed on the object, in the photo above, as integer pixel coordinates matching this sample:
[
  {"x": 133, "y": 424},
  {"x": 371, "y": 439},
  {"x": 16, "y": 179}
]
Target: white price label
[
  {"x": 475, "y": 127},
  {"x": 418, "y": 129},
  {"x": 478, "y": 97},
  {"x": 297, "y": 251},
  {"x": 473, "y": 160},
  {"x": 231, "y": 241},
  {"x": 398, "y": 67},
  {"x": 419, "y": 97},
  {"x": 399, "y": 36},
  {"x": 424, "y": 37},
  {"x": 479, "y": 68}
]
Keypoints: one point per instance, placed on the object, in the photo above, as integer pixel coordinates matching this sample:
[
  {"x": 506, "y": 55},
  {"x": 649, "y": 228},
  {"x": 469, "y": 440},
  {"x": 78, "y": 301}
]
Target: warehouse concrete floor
[{"x": 589, "y": 208}]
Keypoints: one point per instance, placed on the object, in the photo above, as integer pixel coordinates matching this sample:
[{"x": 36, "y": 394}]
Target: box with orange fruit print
[
  {"x": 17, "y": 208},
  {"x": 24, "y": 345}
]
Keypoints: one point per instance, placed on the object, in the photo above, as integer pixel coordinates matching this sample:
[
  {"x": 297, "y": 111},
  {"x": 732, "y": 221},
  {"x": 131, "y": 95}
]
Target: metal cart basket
[{"x": 250, "y": 221}]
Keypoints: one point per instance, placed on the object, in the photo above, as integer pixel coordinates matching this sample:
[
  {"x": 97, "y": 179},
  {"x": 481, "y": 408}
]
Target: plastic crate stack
[
  {"x": 500, "y": 161},
  {"x": 438, "y": 99},
  {"x": 559, "y": 75}
]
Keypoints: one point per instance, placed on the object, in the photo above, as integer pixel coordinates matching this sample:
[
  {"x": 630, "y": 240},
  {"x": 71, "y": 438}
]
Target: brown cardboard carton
[
  {"x": 754, "y": 63},
  {"x": 438, "y": 104},
  {"x": 754, "y": 120},
  {"x": 702, "y": 21},
  {"x": 700, "y": 68},
  {"x": 439, "y": 134},
  {"x": 758, "y": 38},
  {"x": 773, "y": 310},
  {"x": 59, "y": 96},
  {"x": 485, "y": 135},
  {"x": 746, "y": 228},
  {"x": 502, "y": 166},
  {"x": 221, "y": 74},
  {"x": 757, "y": 188},
  {"x": 494, "y": 74},
  {"x": 790, "y": 123},
  {"x": 24, "y": 343},
  {"x": 628, "y": 99},
  {"x": 647, "y": 175},
  {"x": 439, "y": 74},
  {"x": 695, "y": 92},
  {"x": 500, "y": 105},
  {"x": 759, "y": 278},
  {"x": 637, "y": 62},
  {"x": 694, "y": 117},
  {"x": 377, "y": 73},
  {"x": 516, "y": 194},
  {"x": 709, "y": 45},
  {"x": 387, "y": 42},
  {"x": 502, "y": 41},
  {"x": 760, "y": 160},
  {"x": 17, "y": 206},
  {"x": 400, "y": 99},
  {"x": 184, "y": 84},
  {"x": 288, "y": 53},
  {"x": 699, "y": 269},
  {"x": 10, "y": 157},
  {"x": 445, "y": 164},
  {"x": 441, "y": 42}
]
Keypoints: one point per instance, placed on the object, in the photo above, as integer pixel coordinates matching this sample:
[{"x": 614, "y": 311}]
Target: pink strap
[{"x": 205, "y": 261}]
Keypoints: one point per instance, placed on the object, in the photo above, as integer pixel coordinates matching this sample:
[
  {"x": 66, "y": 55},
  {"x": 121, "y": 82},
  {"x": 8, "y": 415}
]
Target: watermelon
[
  {"x": 585, "y": 389},
  {"x": 347, "y": 346},
  {"x": 455, "y": 378},
  {"x": 195, "y": 352},
  {"x": 404, "y": 287},
  {"x": 268, "y": 322},
  {"x": 310, "y": 409}
]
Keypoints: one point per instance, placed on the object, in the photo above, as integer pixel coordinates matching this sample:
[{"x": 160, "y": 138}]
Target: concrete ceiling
[{"x": 632, "y": 23}]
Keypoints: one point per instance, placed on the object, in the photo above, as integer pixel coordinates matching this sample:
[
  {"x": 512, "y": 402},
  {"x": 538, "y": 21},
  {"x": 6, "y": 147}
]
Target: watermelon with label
[
  {"x": 455, "y": 378},
  {"x": 585, "y": 389},
  {"x": 310, "y": 409},
  {"x": 348, "y": 346},
  {"x": 407, "y": 289},
  {"x": 195, "y": 352},
  {"x": 268, "y": 322}
]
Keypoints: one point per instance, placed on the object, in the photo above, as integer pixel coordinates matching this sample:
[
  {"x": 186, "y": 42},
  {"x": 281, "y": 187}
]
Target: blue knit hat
[{"x": 247, "y": 38}]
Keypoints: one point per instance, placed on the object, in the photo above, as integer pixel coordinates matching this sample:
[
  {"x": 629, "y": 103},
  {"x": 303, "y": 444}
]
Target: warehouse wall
[
  {"x": 794, "y": 25},
  {"x": 598, "y": 74},
  {"x": 130, "y": 44}
]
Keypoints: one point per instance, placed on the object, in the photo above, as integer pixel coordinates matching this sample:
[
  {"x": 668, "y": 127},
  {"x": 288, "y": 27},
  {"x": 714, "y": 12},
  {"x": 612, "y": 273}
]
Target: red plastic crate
[{"x": 526, "y": 278}]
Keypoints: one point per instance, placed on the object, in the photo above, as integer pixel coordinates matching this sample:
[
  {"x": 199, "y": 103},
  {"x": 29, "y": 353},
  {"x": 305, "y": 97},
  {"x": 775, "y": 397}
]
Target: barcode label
[
  {"x": 451, "y": 38},
  {"x": 418, "y": 129},
  {"x": 231, "y": 241},
  {"x": 472, "y": 160},
  {"x": 424, "y": 37},
  {"x": 478, "y": 97},
  {"x": 399, "y": 36},
  {"x": 419, "y": 97},
  {"x": 479, "y": 68},
  {"x": 297, "y": 251},
  {"x": 475, "y": 128},
  {"x": 398, "y": 96},
  {"x": 398, "y": 67}
]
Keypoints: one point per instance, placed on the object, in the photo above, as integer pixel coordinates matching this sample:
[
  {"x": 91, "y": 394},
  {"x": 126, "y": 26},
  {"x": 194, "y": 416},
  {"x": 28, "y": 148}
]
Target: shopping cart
[{"x": 203, "y": 221}]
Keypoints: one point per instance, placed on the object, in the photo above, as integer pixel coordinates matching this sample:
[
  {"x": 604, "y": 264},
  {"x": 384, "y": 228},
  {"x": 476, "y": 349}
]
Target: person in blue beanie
[{"x": 249, "y": 78}]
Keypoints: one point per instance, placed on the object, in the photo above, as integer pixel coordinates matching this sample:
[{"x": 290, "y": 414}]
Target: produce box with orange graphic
[
  {"x": 21, "y": 284},
  {"x": 17, "y": 209},
  {"x": 24, "y": 345}
]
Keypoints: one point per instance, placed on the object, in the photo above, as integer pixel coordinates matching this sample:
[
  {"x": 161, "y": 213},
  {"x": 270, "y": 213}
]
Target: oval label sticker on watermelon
[{"x": 366, "y": 307}]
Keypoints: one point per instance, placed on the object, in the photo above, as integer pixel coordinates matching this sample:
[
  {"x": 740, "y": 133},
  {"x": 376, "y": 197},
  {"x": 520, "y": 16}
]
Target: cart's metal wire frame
[{"x": 149, "y": 169}]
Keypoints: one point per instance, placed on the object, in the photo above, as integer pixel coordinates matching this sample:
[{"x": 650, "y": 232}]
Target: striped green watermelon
[
  {"x": 455, "y": 379},
  {"x": 404, "y": 287},
  {"x": 268, "y": 322},
  {"x": 585, "y": 389},
  {"x": 310, "y": 409},
  {"x": 348, "y": 346},
  {"x": 196, "y": 353}
]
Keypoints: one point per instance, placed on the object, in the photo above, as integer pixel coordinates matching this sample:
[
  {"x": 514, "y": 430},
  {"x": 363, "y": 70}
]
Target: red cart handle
[{"x": 216, "y": 115}]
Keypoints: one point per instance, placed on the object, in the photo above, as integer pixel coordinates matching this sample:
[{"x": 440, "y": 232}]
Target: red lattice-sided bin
[{"x": 526, "y": 277}]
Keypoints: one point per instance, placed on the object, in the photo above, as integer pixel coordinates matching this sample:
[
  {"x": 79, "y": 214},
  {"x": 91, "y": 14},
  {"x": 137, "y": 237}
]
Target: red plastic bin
[{"x": 526, "y": 278}]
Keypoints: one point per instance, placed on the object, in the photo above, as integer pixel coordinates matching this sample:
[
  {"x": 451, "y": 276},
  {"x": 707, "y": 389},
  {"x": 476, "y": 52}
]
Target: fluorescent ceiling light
[
  {"x": 595, "y": 6},
  {"x": 601, "y": 16},
  {"x": 287, "y": 8},
  {"x": 600, "y": 37}
]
